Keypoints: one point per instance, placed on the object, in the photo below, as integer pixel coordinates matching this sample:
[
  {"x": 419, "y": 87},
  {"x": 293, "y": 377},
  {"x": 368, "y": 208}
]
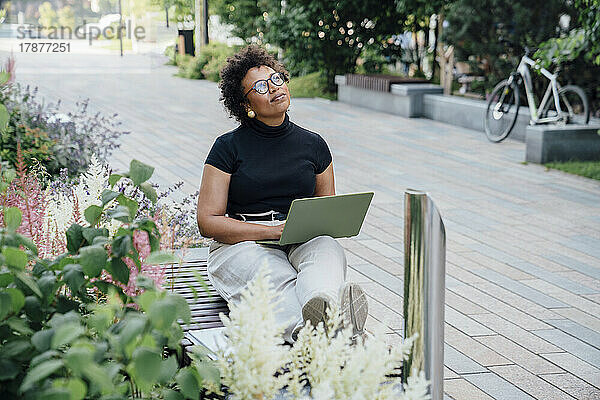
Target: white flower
[
  {"x": 323, "y": 356},
  {"x": 253, "y": 351}
]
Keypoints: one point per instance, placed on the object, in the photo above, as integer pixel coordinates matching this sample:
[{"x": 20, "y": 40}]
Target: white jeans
[{"x": 297, "y": 272}]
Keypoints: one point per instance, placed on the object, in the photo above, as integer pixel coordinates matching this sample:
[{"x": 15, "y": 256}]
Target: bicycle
[{"x": 570, "y": 102}]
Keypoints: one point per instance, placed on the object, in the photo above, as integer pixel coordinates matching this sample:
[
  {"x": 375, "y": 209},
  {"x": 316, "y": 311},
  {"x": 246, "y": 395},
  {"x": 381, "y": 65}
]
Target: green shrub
[
  {"x": 207, "y": 64},
  {"x": 170, "y": 52},
  {"x": 310, "y": 85},
  {"x": 67, "y": 331}
]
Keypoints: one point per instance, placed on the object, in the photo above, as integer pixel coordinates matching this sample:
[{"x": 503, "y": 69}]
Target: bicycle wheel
[
  {"x": 574, "y": 105},
  {"x": 502, "y": 110}
]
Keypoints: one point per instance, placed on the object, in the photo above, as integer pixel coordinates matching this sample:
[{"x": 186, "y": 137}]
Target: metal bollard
[{"x": 424, "y": 285}]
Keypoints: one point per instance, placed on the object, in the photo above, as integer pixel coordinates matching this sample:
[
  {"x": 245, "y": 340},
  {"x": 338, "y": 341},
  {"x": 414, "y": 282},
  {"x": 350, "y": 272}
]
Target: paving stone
[
  {"x": 574, "y": 346},
  {"x": 571, "y": 384},
  {"x": 517, "y": 334},
  {"x": 497, "y": 387},
  {"x": 580, "y": 317},
  {"x": 461, "y": 389},
  {"x": 576, "y": 330},
  {"x": 521, "y": 289},
  {"x": 520, "y": 303},
  {"x": 463, "y": 305},
  {"x": 575, "y": 366},
  {"x": 386, "y": 279},
  {"x": 518, "y": 354},
  {"x": 472, "y": 348},
  {"x": 465, "y": 323},
  {"x": 572, "y": 263},
  {"x": 459, "y": 363},
  {"x": 449, "y": 374},
  {"x": 498, "y": 307},
  {"x": 529, "y": 383}
]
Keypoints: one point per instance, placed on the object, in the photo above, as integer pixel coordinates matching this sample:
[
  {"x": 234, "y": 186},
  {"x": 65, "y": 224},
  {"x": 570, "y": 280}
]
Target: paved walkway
[{"x": 523, "y": 243}]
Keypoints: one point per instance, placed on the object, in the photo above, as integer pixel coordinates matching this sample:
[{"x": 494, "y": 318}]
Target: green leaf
[
  {"x": 146, "y": 299},
  {"x": 108, "y": 195},
  {"x": 74, "y": 238},
  {"x": 40, "y": 372},
  {"x": 12, "y": 215},
  {"x": 188, "y": 383},
  {"x": 4, "y": 117},
  {"x": 139, "y": 172},
  {"x": 15, "y": 348},
  {"x": 54, "y": 394},
  {"x": 209, "y": 372},
  {"x": 5, "y": 305},
  {"x": 169, "y": 394},
  {"x": 90, "y": 233},
  {"x": 4, "y": 77},
  {"x": 27, "y": 243},
  {"x": 73, "y": 275},
  {"x": 163, "y": 313},
  {"x": 146, "y": 366},
  {"x": 113, "y": 179},
  {"x": 33, "y": 308},
  {"x": 120, "y": 213},
  {"x": 92, "y": 214},
  {"x": 161, "y": 257},
  {"x": 92, "y": 260},
  {"x": 133, "y": 328},
  {"x": 17, "y": 299},
  {"x": 183, "y": 308},
  {"x": 15, "y": 258},
  {"x": 119, "y": 270},
  {"x": 65, "y": 334},
  {"x": 42, "y": 339},
  {"x": 121, "y": 245},
  {"x": 132, "y": 205},
  {"x": 30, "y": 283},
  {"x": 6, "y": 278},
  {"x": 8, "y": 370},
  {"x": 149, "y": 192},
  {"x": 168, "y": 368},
  {"x": 19, "y": 325},
  {"x": 76, "y": 387}
]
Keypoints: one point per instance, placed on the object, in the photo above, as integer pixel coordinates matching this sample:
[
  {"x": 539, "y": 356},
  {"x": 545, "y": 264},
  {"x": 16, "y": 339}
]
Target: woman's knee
[{"x": 330, "y": 246}]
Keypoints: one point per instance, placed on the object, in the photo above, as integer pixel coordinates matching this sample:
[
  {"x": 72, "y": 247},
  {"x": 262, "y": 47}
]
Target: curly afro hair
[{"x": 235, "y": 70}]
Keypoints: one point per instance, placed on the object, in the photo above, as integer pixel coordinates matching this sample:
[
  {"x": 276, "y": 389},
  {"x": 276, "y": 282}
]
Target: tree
[
  {"x": 491, "y": 34},
  {"x": 589, "y": 18},
  {"x": 47, "y": 15},
  {"x": 328, "y": 37}
]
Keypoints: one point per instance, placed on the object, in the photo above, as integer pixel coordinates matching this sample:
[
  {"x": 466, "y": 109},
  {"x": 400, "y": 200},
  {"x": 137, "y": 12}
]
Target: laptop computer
[{"x": 336, "y": 216}]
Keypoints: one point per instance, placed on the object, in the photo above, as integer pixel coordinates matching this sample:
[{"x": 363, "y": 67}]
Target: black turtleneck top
[{"x": 269, "y": 165}]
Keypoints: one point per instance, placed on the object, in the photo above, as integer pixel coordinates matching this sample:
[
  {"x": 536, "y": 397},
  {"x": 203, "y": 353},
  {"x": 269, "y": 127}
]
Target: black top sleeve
[
  {"x": 323, "y": 155},
  {"x": 221, "y": 156}
]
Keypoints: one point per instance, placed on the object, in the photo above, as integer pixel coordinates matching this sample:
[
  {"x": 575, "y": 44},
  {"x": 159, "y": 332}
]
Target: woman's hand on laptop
[{"x": 275, "y": 231}]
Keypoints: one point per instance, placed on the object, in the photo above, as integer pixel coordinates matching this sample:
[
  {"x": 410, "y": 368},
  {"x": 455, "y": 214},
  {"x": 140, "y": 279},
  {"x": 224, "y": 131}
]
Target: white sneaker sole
[
  {"x": 315, "y": 310},
  {"x": 354, "y": 307}
]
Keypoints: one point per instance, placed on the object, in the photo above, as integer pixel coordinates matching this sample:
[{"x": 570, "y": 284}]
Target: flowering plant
[{"x": 255, "y": 364}]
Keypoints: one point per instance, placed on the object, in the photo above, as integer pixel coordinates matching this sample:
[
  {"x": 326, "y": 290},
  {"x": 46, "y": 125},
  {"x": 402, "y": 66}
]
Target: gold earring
[{"x": 251, "y": 114}]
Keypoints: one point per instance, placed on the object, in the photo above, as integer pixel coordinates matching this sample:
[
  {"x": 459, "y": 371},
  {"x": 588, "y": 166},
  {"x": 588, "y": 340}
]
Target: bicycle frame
[{"x": 551, "y": 90}]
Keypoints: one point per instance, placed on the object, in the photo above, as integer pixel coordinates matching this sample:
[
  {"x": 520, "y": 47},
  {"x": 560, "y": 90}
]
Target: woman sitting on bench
[{"x": 250, "y": 177}]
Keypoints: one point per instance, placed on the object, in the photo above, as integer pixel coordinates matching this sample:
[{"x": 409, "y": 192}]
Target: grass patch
[
  {"x": 309, "y": 85},
  {"x": 589, "y": 169}
]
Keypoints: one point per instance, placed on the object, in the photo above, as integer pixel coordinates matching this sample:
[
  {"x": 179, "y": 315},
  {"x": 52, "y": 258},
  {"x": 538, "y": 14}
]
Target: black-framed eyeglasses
[{"x": 262, "y": 86}]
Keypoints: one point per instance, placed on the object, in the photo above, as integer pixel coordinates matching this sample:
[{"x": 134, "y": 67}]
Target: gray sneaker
[
  {"x": 315, "y": 310},
  {"x": 354, "y": 308}
]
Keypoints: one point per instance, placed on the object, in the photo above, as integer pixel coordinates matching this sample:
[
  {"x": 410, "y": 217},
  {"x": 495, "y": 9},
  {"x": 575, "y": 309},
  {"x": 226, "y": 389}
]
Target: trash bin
[{"x": 186, "y": 41}]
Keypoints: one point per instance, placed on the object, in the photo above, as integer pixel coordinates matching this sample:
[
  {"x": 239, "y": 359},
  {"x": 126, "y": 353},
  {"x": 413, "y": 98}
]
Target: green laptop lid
[{"x": 336, "y": 216}]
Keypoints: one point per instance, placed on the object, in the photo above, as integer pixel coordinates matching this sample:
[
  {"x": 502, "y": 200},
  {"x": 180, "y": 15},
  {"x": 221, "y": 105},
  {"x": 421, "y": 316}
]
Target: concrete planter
[
  {"x": 547, "y": 143},
  {"x": 413, "y": 100}
]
